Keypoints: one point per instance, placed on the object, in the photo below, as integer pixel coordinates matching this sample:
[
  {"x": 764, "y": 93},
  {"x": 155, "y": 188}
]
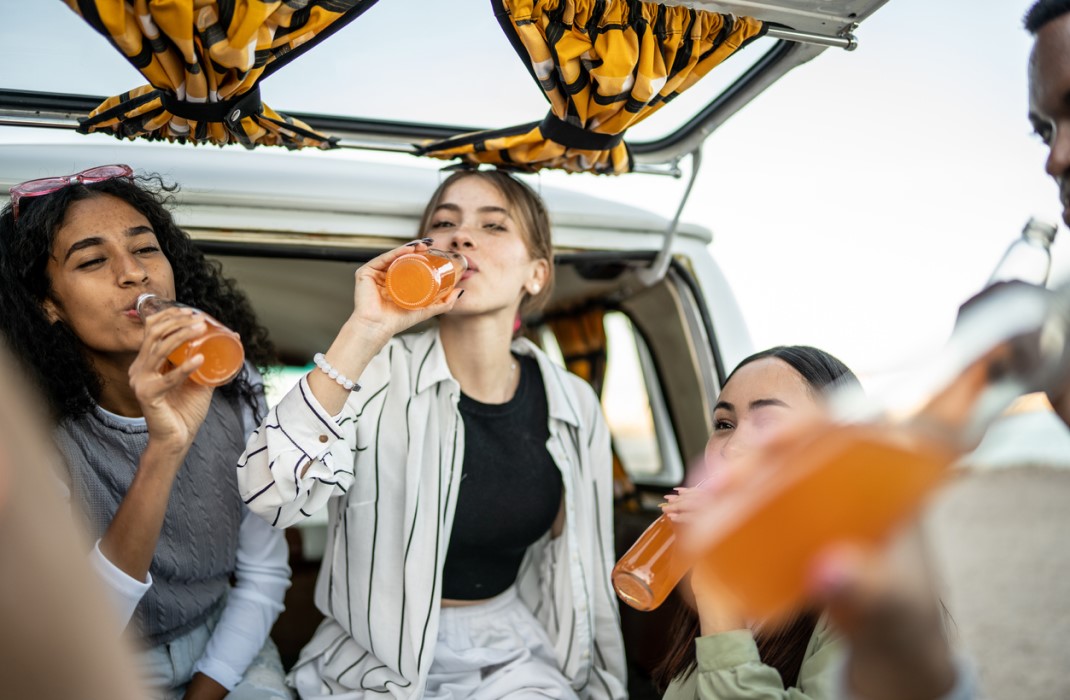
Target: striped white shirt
[{"x": 388, "y": 469}]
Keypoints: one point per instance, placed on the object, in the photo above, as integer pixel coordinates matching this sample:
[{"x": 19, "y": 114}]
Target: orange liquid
[
  {"x": 417, "y": 280},
  {"x": 222, "y": 350},
  {"x": 649, "y": 571},
  {"x": 849, "y": 483}
]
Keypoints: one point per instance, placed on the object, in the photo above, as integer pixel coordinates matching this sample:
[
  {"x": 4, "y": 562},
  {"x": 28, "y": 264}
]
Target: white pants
[{"x": 494, "y": 650}]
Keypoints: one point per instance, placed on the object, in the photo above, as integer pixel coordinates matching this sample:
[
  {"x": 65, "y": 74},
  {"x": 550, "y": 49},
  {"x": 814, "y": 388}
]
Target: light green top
[{"x": 729, "y": 669}]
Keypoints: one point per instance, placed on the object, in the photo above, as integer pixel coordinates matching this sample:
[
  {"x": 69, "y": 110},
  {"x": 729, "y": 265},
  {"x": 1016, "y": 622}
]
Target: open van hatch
[{"x": 73, "y": 69}]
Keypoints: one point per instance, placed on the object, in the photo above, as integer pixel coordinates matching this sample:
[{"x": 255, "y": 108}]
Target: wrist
[
  {"x": 166, "y": 451},
  {"x": 360, "y": 336}
]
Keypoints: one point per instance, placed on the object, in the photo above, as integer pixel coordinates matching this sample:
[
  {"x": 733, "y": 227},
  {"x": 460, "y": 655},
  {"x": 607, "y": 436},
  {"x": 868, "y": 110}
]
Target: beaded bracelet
[{"x": 343, "y": 381}]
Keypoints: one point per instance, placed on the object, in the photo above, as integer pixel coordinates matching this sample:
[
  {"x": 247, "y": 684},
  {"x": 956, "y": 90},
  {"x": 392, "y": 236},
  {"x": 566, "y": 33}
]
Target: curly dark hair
[
  {"x": 51, "y": 352},
  {"x": 1044, "y": 11}
]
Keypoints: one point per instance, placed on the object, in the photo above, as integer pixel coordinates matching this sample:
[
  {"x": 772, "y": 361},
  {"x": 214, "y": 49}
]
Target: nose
[
  {"x": 461, "y": 239},
  {"x": 1058, "y": 162},
  {"x": 722, "y": 450},
  {"x": 130, "y": 272}
]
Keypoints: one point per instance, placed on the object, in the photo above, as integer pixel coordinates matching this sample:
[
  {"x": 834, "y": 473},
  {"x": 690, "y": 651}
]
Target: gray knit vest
[{"x": 196, "y": 552}]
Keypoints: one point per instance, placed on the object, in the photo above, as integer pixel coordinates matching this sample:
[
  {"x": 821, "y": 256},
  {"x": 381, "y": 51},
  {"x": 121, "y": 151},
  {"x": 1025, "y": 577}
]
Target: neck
[
  {"x": 116, "y": 395},
  {"x": 477, "y": 352}
]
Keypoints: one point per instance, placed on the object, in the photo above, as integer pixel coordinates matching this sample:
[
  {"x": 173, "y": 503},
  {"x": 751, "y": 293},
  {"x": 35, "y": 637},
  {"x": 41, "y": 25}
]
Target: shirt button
[
  {"x": 323, "y": 438},
  {"x": 585, "y": 655}
]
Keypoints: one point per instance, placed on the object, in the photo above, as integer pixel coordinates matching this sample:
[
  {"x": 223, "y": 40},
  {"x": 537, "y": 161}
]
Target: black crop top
[{"x": 510, "y": 489}]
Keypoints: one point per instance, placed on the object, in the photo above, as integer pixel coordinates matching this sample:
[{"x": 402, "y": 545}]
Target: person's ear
[
  {"x": 52, "y": 312},
  {"x": 539, "y": 274}
]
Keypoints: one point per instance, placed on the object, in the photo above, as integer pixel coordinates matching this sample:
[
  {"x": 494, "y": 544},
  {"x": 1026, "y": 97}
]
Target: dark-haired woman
[
  {"x": 716, "y": 655},
  {"x": 150, "y": 454},
  {"x": 468, "y": 482}
]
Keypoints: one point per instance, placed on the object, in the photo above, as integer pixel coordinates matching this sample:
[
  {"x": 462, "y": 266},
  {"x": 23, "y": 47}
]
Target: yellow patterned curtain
[
  {"x": 604, "y": 66},
  {"x": 204, "y": 60}
]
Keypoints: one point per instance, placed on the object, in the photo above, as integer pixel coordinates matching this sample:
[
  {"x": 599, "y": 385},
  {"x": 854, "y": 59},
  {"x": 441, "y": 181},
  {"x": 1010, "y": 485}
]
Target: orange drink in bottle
[
  {"x": 221, "y": 347},
  {"x": 416, "y": 280},
  {"x": 647, "y": 573}
]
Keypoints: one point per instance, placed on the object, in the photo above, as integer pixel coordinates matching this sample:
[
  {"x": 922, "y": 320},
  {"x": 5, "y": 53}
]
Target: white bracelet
[{"x": 343, "y": 381}]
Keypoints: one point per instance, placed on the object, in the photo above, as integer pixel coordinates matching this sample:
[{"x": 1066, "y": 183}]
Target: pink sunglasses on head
[{"x": 48, "y": 185}]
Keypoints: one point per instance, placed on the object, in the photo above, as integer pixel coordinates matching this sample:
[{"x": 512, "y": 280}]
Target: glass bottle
[
  {"x": 221, "y": 347},
  {"x": 866, "y": 470},
  {"x": 416, "y": 280},
  {"x": 1028, "y": 258}
]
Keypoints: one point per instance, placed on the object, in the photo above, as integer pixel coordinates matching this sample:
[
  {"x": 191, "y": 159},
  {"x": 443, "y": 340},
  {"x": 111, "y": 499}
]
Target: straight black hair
[{"x": 784, "y": 647}]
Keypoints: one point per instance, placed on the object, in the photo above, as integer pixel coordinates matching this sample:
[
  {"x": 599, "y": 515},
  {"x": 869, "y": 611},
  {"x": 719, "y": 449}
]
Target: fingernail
[
  {"x": 414, "y": 243},
  {"x": 460, "y": 294},
  {"x": 670, "y": 497},
  {"x": 428, "y": 241}
]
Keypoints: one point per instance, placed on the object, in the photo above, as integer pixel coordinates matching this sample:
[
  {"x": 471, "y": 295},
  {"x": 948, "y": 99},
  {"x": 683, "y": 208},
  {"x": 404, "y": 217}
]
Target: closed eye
[
  {"x": 89, "y": 263},
  {"x": 1042, "y": 130},
  {"x": 494, "y": 226},
  {"x": 722, "y": 425},
  {"x": 441, "y": 224}
]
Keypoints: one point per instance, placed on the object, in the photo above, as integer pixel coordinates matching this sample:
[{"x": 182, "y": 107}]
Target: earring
[{"x": 535, "y": 288}]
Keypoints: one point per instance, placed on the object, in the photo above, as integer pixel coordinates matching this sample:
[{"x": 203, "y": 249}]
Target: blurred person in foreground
[
  {"x": 1049, "y": 112},
  {"x": 56, "y": 639},
  {"x": 896, "y": 649}
]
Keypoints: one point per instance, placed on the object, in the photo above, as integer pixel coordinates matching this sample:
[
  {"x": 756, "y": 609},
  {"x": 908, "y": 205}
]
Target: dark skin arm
[
  {"x": 174, "y": 409},
  {"x": 202, "y": 687}
]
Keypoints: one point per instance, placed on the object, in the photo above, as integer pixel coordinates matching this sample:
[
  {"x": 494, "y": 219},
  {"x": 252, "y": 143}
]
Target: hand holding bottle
[
  {"x": 174, "y": 408},
  {"x": 375, "y": 310},
  {"x": 220, "y": 348},
  {"x": 375, "y": 319}
]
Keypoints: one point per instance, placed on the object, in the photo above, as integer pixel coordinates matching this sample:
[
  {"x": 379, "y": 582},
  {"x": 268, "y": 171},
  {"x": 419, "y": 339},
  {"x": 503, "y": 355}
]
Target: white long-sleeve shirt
[
  {"x": 388, "y": 469},
  {"x": 262, "y": 575}
]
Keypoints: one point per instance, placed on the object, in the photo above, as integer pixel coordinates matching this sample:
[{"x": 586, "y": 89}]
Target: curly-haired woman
[{"x": 150, "y": 453}]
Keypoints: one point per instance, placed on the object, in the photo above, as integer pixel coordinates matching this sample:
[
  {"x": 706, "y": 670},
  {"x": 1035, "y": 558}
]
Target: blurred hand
[{"x": 892, "y": 620}]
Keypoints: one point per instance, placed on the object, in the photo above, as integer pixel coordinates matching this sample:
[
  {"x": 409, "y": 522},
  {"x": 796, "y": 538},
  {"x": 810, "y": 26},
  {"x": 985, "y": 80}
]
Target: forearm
[
  {"x": 356, "y": 344},
  {"x": 130, "y": 540}
]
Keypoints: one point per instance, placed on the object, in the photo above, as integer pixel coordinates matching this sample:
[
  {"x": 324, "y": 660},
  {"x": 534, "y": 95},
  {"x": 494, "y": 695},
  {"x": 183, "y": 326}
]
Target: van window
[
  {"x": 279, "y": 380},
  {"x": 635, "y": 409}
]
